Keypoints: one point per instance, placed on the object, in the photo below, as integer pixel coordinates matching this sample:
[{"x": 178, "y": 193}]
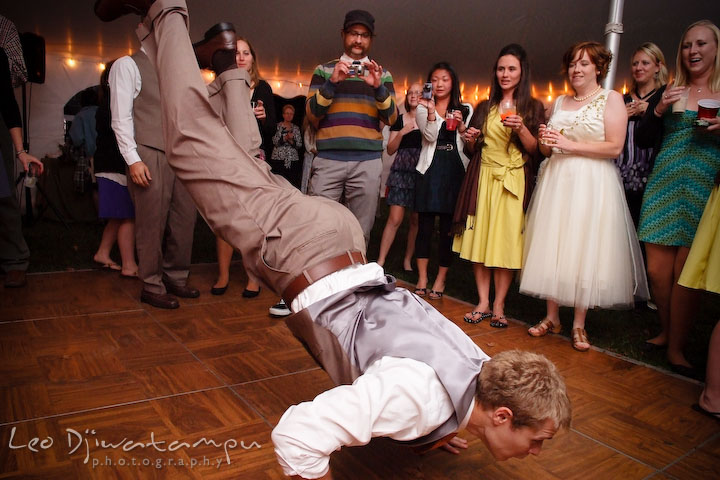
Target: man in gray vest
[
  {"x": 416, "y": 377},
  {"x": 164, "y": 211}
]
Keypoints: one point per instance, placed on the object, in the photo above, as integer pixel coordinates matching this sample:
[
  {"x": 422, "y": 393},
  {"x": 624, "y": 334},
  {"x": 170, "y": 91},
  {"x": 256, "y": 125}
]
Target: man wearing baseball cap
[{"x": 348, "y": 99}]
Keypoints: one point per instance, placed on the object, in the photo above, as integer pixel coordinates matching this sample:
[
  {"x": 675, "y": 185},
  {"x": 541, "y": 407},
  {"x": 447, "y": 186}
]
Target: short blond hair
[
  {"x": 681, "y": 75},
  {"x": 528, "y": 384}
]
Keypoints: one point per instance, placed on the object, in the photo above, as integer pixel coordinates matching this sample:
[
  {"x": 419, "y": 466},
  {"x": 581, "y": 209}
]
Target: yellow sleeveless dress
[
  {"x": 494, "y": 235},
  {"x": 702, "y": 267}
]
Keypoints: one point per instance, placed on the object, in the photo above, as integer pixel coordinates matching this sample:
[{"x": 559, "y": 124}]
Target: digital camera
[
  {"x": 427, "y": 91},
  {"x": 357, "y": 69}
]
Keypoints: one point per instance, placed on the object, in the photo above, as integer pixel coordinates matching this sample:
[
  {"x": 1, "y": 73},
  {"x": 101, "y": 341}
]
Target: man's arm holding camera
[
  {"x": 382, "y": 82},
  {"x": 322, "y": 89}
]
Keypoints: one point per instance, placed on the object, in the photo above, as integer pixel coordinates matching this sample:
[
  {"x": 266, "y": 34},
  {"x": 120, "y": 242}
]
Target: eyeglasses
[
  {"x": 355, "y": 33},
  {"x": 412, "y": 93}
]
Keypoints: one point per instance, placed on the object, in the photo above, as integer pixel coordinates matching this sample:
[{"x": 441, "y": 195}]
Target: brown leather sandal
[
  {"x": 544, "y": 327},
  {"x": 579, "y": 335}
]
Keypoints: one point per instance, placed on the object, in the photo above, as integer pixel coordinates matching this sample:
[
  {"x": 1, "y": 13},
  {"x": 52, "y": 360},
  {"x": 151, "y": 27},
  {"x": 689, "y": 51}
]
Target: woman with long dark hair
[
  {"x": 489, "y": 217},
  {"x": 441, "y": 169}
]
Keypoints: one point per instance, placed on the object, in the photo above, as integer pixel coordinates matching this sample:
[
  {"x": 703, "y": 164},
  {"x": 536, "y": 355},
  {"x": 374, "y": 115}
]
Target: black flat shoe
[
  {"x": 251, "y": 293},
  {"x": 652, "y": 347},
  {"x": 689, "y": 372},
  {"x": 699, "y": 409},
  {"x": 218, "y": 290}
]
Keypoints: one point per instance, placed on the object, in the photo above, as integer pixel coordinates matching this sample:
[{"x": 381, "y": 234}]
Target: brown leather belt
[{"x": 323, "y": 269}]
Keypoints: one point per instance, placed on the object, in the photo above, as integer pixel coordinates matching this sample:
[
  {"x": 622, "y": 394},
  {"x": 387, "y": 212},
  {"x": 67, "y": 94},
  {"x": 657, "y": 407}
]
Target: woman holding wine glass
[
  {"x": 680, "y": 183},
  {"x": 489, "y": 216},
  {"x": 580, "y": 246}
]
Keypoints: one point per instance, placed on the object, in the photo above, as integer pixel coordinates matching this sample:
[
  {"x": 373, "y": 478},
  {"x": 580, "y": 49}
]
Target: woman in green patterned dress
[{"x": 680, "y": 183}]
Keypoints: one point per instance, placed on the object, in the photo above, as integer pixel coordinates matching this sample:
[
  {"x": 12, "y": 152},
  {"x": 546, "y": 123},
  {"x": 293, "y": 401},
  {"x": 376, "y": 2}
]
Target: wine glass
[{"x": 506, "y": 108}]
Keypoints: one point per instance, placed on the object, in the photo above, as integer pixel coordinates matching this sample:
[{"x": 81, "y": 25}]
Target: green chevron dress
[{"x": 680, "y": 183}]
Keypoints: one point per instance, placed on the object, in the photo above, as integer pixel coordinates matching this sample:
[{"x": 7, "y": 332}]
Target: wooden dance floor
[{"x": 94, "y": 384}]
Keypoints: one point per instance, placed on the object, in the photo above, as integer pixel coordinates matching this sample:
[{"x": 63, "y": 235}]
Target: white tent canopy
[{"x": 290, "y": 38}]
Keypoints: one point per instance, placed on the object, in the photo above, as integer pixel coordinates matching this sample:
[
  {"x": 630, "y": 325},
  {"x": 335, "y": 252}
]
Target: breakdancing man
[{"x": 405, "y": 371}]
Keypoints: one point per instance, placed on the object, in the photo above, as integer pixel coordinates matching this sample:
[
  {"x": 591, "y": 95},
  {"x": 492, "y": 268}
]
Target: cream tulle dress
[{"x": 581, "y": 249}]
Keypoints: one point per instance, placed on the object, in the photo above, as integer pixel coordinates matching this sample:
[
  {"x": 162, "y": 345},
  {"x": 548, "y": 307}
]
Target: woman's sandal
[
  {"x": 470, "y": 317},
  {"x": 421, "y": 292},
  {"x": 579, "y": 335},
  {"x": 498, "y": 323},
  {"x": 435, "y": 295},
  {"x": 544, "y": 327}
]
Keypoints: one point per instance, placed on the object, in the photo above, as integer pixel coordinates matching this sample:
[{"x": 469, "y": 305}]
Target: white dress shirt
[
  {"x": 125, "y": 84},
  {"x": 400, "y": 398}
]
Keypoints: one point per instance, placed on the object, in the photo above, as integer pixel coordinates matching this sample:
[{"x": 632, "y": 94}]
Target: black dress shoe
[
  {"x": 251, "y": 293},
  {"x": 217, "y": 50},
  {"x": 182, "y": 291},
  {"x": 690, "y": 372},
  {"x": 159, "y": 300},
  {"x": 15, "y": 279},
  {"x": 219, "y": 290},
  {"x": 109, "y": 10}
]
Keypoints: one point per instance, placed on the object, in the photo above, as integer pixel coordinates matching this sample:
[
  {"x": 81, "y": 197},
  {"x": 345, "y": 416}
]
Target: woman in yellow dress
[
  {"x": 702, "y": 271},
  {"x": 489, "y": 218}
]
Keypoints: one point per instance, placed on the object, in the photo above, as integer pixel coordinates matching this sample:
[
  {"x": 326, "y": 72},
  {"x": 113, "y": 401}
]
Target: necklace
[
  {"x": 637, "y": 94},
  {"x": 591, "y": 94}
]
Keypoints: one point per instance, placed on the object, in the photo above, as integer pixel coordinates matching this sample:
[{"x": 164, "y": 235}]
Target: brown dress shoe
[
  {"x": 182, "y": 291},
  {"x": 109, "y": 10},
  {"x": 159, "y": 300},
  {"x": 217, "y": 50},
  {"x": 15, "y": 279}
]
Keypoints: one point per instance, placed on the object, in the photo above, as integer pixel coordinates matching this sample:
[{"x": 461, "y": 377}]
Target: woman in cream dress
[{"x": 580, "y": 248}]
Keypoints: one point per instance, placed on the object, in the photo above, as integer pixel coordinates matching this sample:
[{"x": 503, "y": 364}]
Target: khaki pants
[{"x": 278, "y": 230}]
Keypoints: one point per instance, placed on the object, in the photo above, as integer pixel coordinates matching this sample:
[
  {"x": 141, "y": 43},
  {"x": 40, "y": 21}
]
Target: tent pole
[{"x": 613, "y": 30}]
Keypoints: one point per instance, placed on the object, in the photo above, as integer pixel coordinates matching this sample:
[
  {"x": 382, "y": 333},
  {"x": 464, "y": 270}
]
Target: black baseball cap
[{"x": 359, "y": 17}]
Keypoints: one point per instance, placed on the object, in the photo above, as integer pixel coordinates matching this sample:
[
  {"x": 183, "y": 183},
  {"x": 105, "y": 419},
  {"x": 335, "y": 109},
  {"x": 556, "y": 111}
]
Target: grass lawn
[{"x": 55, "y": 248}]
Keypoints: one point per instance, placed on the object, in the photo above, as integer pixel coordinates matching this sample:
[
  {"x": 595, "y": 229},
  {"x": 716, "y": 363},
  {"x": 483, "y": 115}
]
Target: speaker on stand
[{"x": 34, "y": 53}]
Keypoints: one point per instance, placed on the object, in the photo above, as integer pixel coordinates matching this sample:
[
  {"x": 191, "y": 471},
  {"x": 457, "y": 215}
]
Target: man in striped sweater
[{"x": 348, "y": 99}]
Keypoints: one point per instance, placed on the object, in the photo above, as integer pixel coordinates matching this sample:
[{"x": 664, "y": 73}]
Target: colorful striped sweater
[{"x": 348, "y": 114}]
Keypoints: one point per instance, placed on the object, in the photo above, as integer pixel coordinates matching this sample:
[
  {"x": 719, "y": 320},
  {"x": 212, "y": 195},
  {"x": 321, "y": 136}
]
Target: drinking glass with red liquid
[{"x": 451, "y": 122}]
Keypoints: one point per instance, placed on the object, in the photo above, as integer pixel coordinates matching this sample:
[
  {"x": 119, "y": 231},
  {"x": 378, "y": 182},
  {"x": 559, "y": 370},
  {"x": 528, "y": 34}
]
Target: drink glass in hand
[
  {"x": 680, "y": 106},
  {"x": 506, "y": 108},
  {"x": 451, "y": 122},
  {"x": 543, "y": 141}
]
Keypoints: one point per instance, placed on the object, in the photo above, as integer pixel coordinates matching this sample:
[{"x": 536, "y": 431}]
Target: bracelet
[
  {"x": 657, "y": 114},
  {"x": 17, "y": 154}
]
